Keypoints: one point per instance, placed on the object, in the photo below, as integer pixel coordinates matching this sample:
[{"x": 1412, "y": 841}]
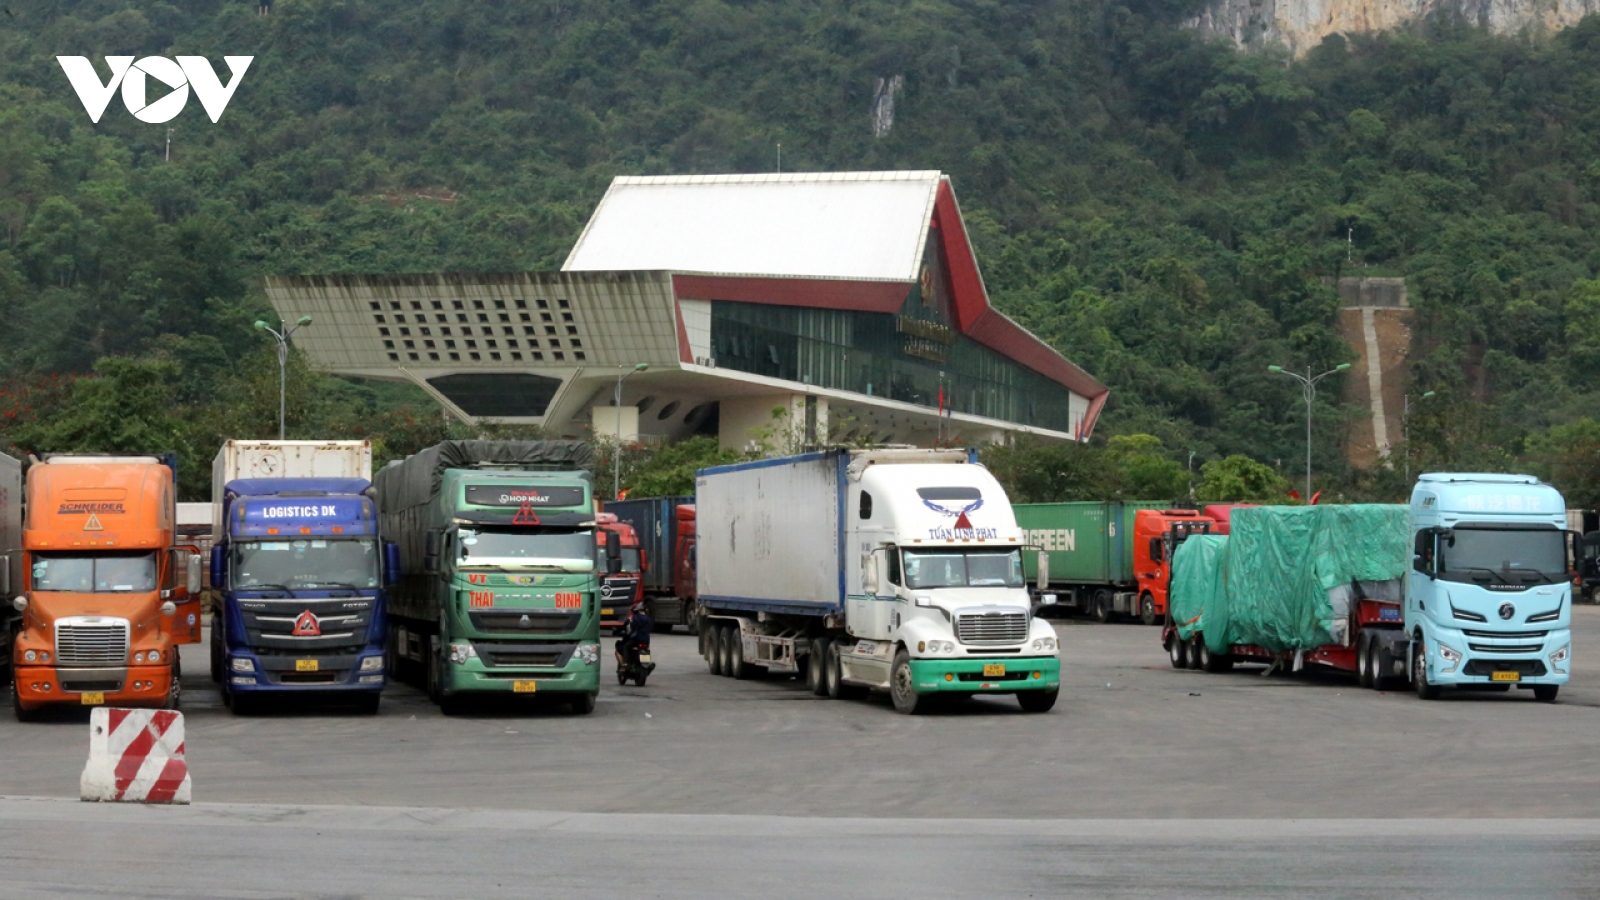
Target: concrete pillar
[{"x": 782, "y": 423}]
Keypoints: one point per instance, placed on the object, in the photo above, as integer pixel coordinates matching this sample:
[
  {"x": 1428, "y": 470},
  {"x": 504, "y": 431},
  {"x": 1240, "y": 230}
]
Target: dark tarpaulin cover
[{"x": 415, "y": 480}]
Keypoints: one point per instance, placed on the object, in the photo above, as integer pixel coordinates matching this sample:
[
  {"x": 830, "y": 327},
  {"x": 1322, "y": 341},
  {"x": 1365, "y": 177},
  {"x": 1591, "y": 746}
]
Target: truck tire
[
  {"x": 712, "y": 638},
  {"x": 691, "y": 621},
  {"x": 1419, "y": 673},
  {"x": 1102, "y": 606},
  {"x": 368, "y": 704},
  {"x": 217, "y": 656},
  {"x": 1364, "y": 667},
  {"x": 831, "y": 673},
  {"x": 902, "y": 688},
  {"x": 1037, "y": 701},
  {"x": 174, "y": 699},
  {"x": 435, "y": 670},
  {"x": 1147, "y": 609},
  {"x": 817, "y": 667},
  {"x": 1382, "y": 663},
  {"x": 1546, "y": 693},
  {"x": 737, "y": 667},
  {"x": 582, "y": 704},
  {"x": 1218, "y": 662},
  {"x": 725, "y": 639},
  {"x": 1178, "y": 651},
  {"x": 1196, "y": 647}
]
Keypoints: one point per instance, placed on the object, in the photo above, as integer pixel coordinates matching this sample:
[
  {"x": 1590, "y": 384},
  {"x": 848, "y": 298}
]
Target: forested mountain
[{"x": 1161, "y": 208}]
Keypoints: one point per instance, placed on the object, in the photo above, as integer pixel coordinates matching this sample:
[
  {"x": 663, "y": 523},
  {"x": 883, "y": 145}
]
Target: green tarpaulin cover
[{"x": 1281, "y": 579}]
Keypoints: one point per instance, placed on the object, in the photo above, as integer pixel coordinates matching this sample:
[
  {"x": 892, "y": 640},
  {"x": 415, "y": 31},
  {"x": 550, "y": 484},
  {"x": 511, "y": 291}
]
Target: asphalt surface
[{"x": 1144, "y": 781}]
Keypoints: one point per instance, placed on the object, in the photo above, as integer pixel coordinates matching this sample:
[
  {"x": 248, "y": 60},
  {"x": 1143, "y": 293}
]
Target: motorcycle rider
[{"x": 635, "y": 633}]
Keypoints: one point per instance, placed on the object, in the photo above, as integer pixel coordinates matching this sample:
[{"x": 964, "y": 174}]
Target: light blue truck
[{"x": 1488, "y": 602}]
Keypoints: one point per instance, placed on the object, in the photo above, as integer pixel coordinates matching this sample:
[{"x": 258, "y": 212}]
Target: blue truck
[
  {"x": 299, "y": 574},
  {"x": 1489, "y": 597}
]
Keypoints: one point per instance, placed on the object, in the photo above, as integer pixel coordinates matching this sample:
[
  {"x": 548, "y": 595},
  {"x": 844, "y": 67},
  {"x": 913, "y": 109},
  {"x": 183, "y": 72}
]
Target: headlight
[
  {"x": 1560, "y": 656},
  {"x": 153, "y": 656},
  {"x": 44, "y": 656},
  {"x": 589, "y": 653},
  {"x": 138, "y": 657},
  {"x": 30, "y": 656},
  {"x": 460, "y": 653},
  {"x": 1448, "y": 654},
  {"x": 374, "y": 663},
  {"x": 242, "y": 665},
  {"x": 1045, "y": 644}
]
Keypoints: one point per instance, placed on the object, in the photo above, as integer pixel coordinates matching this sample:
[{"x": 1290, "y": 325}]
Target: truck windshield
[
  {"x": 305, "y": 563},
  {"x": 955, "y": 568},
  {"x": 109, "y": 572},
  {"x": 1526, "y": 555},
  {"x": 486, "y": 546}
]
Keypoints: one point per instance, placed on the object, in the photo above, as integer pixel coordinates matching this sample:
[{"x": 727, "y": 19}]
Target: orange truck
[
  {"x": 1156, "y": 533},
  {"x": 108, "y": 594},
  {"x": 619, "y": 591}
]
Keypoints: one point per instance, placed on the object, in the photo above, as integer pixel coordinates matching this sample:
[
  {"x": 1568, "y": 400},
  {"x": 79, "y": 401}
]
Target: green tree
[
  {"x": 1240, "y": 479},
  {"x": 669, "y": 471},
  {"x": 1568, "y": 456}
]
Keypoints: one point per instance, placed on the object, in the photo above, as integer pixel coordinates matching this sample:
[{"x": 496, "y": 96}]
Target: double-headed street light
[
  {"x": 1308, "y": 387},
  {"x": 282, "y": 333},
  {"x": 616, "y": 403}
]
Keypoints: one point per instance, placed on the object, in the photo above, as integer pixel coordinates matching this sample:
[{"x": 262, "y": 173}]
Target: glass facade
[{"x": 902, "y": 357}]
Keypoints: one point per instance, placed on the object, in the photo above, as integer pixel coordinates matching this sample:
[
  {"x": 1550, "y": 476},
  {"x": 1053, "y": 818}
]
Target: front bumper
[
  {"x": 93, "y": 687},
  {"x": 1482, "y": 657},
  {"x": 304, "y": 674},
  {"x": 966, "y": 676},
  {"x": 575, "y": 677}
]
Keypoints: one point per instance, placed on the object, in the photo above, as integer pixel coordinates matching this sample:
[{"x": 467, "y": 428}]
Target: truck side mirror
[
  {"x": 869, "y": 573},
  {"x": 1042, "y": 575},
  {"x": 430, "y": 552},
  {"x": 613, "y": 553},
  {"x": 391, "y": 564},
  {"x": 219, "y": 573},
  {"x": 195, "y": 585}
]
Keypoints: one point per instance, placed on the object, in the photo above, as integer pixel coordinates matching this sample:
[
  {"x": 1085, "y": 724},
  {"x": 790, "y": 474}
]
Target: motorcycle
[{"x": 636, "y": 664}]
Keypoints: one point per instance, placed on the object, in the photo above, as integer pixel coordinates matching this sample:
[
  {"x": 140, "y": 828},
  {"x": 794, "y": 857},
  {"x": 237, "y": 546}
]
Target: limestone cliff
[{"x": 1302, "y": 24}]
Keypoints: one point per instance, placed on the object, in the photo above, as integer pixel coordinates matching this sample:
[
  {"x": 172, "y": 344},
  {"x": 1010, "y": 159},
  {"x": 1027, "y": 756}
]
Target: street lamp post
[
  {"x": 283, "y": 333},
  {"x": 616, "y": 403},
  {"x": 1405, "y": 429},
  {"x": 1308, "y": 387}
]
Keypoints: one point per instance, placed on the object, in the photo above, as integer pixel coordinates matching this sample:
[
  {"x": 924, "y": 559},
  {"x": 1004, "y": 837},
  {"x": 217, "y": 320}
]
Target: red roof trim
[
  {"x": 685, "y": 352},
  {"x": 818, "y": 293}
]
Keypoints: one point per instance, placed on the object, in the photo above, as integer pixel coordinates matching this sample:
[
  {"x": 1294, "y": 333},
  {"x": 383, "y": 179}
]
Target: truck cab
[
  {"x": 619, "y": 590},
  {"x": 1156, "y": 533},
  {"x": 683, "y": 562},
  {"x": 107, "y": 595},
  {"x": 1488, "y": 600}
]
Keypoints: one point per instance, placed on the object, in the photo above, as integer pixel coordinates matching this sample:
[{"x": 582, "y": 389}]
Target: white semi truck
[{"x": 895, "y": 570}]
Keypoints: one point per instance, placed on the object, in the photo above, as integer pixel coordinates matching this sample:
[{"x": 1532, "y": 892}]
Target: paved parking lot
[{"x": 1131, "y": 738}]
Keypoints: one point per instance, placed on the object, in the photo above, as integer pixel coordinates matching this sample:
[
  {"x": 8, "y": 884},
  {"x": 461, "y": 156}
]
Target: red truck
[
  {"x": 1156, "y": 532},
  {"x": 620, "y": 591}
]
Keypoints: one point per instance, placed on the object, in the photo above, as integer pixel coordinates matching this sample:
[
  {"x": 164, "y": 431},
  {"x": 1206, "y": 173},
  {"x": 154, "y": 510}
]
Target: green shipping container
[{"x": 1088, "y": 542}]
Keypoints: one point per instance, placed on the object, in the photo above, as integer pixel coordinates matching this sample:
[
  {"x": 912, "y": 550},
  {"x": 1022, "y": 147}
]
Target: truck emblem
[
  {"x": 524, "y": 622},
  {"x": 307, "y": 625},
  {"x": 93, "y": 524},
  {"x": 525, "y": 515},
  {"x": 1507, "y": 610},
  {"x": 960, "y": 514},
  {"x": 520, "y": 579}
]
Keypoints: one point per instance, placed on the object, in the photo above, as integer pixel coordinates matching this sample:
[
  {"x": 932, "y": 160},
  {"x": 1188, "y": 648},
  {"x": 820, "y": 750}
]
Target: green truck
[
  {"x": 500, "y": 593},
  {"x": 1087, "y": 550}
]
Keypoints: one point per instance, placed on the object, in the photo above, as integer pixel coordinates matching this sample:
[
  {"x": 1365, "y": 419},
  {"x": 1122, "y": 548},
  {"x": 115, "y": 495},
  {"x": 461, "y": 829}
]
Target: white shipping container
[
  {"x": 769, "y": 531},
  {"x": 10, "y": 529},
  {"x": 285, "y": 459}
]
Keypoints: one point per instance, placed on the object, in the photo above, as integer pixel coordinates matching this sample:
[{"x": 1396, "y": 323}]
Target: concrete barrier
[{"x": 136, "y": 756}]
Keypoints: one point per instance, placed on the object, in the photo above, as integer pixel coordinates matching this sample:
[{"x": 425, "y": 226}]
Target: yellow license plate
[
  {"x": 1505, "y": 676},
  {"x": 94, "y": 699},
  {"x": 992, "y": 669},
  {"x": 524, "y": 687},
  {"x": 644, "y": 657},
  {"x": 305, "y": 665},
  {"x": 605, "y": 612}
]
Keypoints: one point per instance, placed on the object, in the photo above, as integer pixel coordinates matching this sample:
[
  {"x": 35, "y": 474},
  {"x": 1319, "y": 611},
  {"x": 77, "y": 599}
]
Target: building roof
[{"x": 853, "y": 225}]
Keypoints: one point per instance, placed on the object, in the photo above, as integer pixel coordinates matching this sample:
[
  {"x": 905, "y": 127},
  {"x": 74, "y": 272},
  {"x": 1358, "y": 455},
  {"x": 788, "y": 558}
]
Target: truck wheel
[
  {"x": 1546, "y": 693},
  {"x": 726, "y": 635},
  {"x": 582, "y": 705},
  {"x": 1037, "y": 701},
  {"x": 830, "y": 672},
  {"x": 1419, "y": 673},
  {"x": 714, "y": 648},
  {"x": 174, "y": 690},
  {"x": 902, "y": 689},
  {"x": 218, "y": 660},
  {"x": 1218, "y": 662},
  {"x": 23, "y": 715},
  {"x": 1195, "y": 645},
  {"x": 1147, "y": 609},
  {"x": 1178, "y": 651},
  {"x": 1364, "y": 667},
  {"x": 691, "y": 621},
  {"x": 435, "y": 671},
  {"x": 817, "y": 667},
  {"x": 1102, "y": 606},
  {"x": 737, "y": 667},
  {"x": 1382, "y": 663},
  {"x": 368, "y": 704},
  {"x": 240, "y": 704}
]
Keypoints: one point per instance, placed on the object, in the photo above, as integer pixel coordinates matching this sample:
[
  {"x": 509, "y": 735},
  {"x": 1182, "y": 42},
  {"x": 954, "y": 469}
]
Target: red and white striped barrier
[{"x": 136, "y": 755}]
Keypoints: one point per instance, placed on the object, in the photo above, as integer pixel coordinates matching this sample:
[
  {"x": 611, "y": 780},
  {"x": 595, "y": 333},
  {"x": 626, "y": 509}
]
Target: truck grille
[
  {"x": 525, "y": 621},
  {"x": 524, "y": 654},
  {"x": 1504, "y": 648},
  {"x": 269, "y": 623},
  {"x": 82, "y": 641},
  {"x": 1503, "y": 635},
  {"x": 996, "y": 627}
]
